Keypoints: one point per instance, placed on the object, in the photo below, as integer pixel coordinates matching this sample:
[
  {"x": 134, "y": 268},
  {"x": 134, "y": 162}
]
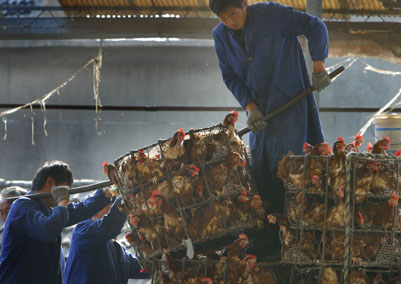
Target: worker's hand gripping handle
[{"x": 300, "y": 96}]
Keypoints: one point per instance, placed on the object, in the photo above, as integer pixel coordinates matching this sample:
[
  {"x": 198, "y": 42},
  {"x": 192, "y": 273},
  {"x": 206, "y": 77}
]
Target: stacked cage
[
  {"x": 188, "y": 192},
  {"x": 341, "y": 214}
]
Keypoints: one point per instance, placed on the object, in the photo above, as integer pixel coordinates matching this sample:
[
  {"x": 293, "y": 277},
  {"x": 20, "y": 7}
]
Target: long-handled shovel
[{"x": 241, "y": 132}]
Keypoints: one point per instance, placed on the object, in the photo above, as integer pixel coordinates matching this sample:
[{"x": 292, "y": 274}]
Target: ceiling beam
[{"x": 94, "y": 28}]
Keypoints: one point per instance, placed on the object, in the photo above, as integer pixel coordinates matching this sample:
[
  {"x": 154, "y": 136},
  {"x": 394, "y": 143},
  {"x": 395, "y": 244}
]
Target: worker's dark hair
[
  {"x": 12, "y": 191},
  {"x": 218, "y": 6},
  {"x": 59, "y": 171}
]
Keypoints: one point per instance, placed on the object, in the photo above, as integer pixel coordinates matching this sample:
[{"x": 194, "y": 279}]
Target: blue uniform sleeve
[
  {"x": 32, "y": 222},
  {"x": 131, "y": 266},
  {"x": 231, "y": 79},
  {"x": 300, "y": 23},
  {"x": 86, "y": 209},
  {"x": 91, "y": 233}
]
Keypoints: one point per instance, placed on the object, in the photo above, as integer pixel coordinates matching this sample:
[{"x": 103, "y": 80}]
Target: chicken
[
  {"x": 238, "y": 244},
  {"x": 291, "y": 246},
  {"x": 225, "y": 172},
  {"x": 173, "y": 222},
  {"x": 317, "y": 167},
  {"x": 314, "y": 213},
  {"x": 334, "y": 246},
  {"x": 385, "y": 178},
  {"x": 354, "y": 144},
  {"x": 151, "y": 236},
  {"x": 364, "y": 172},
  {"x": 195, "y": 147},
  {"x": 206, "y": 220},
  {"x": 357, "y": 277},
  {"x": 294, "y": 209},
  {"x": 263, "y": 275},
  {"x": 127, "y": 167},
  {"x": 336, "y": 215},
  {"x": 174, "y": 151},
  {"x": 364, "y": 248},
  {"x": 111, "y": 173},
  {"x": 216, "y": 146},
  {"x": 329, "y": 276},
  {"x": 148, "y": 168},
  {"x": 187, "y": 185},
  {"x": 291, "y": 170},
  {"x": 377, "y": 214},
  {"x": 307, "y": 148},
  {"x": 253, "y": 211},
  {"x": 381, "y": 146},
  {"x": 229, "y": 122},
  {"x": 337, "y": 165}
]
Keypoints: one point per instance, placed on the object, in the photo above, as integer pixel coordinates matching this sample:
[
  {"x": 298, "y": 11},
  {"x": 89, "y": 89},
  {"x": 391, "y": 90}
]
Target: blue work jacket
[
  {"x": 30, "y": 251},
  {"x": 95, "y": 258},
  {"x": 270, "y": 71}
]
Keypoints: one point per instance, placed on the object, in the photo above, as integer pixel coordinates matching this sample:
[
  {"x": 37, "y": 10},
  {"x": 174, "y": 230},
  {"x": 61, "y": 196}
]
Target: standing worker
[
  {"x": 31, "y": 244},
  {"x": 263, "y": 66},
  {"x": 95, "y": 257},
  {"x": 11, "y": 191}
]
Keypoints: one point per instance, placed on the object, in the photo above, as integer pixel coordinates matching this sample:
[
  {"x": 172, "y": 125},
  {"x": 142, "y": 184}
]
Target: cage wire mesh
[
  {"x": 315, "y": 210},
  {"x": 188, "y": 191}
]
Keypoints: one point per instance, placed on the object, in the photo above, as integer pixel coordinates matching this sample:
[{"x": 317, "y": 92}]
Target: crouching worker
[
  {"x": 95, "y": 257},
  {"x": 31, "y": 244}
]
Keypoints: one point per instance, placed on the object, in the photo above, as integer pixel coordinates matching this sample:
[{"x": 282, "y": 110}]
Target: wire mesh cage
[
  {"x": 316, "y": 275},
  {"x": 316, "y": 209},
  {"x": 187, "y": 190}
]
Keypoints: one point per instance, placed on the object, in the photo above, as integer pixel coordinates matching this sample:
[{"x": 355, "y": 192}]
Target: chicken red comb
[
  {"x": 105, "y": 163},
  {"x": 369, "y": 147},
  {"x": 328, "y": 147},
  {"x": 341, "y": 140},
  {"x": 359, "y": 136},
  {"x": 195, "y": 168},
  {"x": 306, "y": 145},
  {"x": 387, "y": 139},
  {"x": 250, "y": 256},
  {"x": 234, "y": 113},
  {"x": 129, "y": 238},
  {"x": 395, "y": 196},
  {"x": 398, "y": 153},
  {"x": 142, "y": 151},
  {"x": 182, "y": 132},
  {"x": 206, "y": 280},
  {"x": 245, "y": 193},
  {"x": 243, "y": 236},
  {"x": 155, "y": 193},
  {"x": 257, "y": 196}
]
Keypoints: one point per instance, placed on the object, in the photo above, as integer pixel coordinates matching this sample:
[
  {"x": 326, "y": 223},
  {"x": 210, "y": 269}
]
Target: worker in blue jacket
[
  {"x": 262, "y": 64},
  {"x": 31, "y": 244},
  {"x": 95, "y": 257}
]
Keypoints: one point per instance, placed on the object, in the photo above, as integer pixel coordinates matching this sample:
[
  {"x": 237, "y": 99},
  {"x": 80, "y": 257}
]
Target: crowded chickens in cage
[{"x": 187, "y": 190}]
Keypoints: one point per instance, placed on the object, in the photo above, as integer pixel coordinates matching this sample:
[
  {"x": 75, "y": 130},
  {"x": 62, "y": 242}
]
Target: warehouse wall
[{"x": 145, "y": 74}]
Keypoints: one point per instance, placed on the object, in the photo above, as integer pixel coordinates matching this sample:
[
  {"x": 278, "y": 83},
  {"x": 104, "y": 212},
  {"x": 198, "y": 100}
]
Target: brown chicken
[
  {"x": 148, "y": 168},
  {"x": 381, "y": 146},
  {"x": 187, "y": 185},
  {"x": 377, "y": 214},
  {"x": 334, "y": 246},
  {"x": 127, "y": 167},
  {"x": 314, "y": 213},
  {"x": 195, "y": 147},
  {"x": 329, "y": 276},
  {"x": 229, "y": 121},
  {"x": 354, "y": 145},
  {"x": 364, "y": 172},
  {"x": 307, "y": 148},
  {"x": 337, "y": 166},
  {"x": 385, "y": 178},
  {"x": 175, "y": 151},
  {"x": 173, "y": 221},
  {"x": 225, "y": 172},
  {"x": 252, "y": 209},
  {"x": 336, "y": 215},
  {"x": 357, "y": 277},
  {"x": 207, "y": 221},
  {"x": 317, "y": 167},
  {"x": 291, "y": 170},
  {"x": 294, "y": 209},
  {"x": 364, "y": 248},
  {"x": 151, "y": 236}
]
